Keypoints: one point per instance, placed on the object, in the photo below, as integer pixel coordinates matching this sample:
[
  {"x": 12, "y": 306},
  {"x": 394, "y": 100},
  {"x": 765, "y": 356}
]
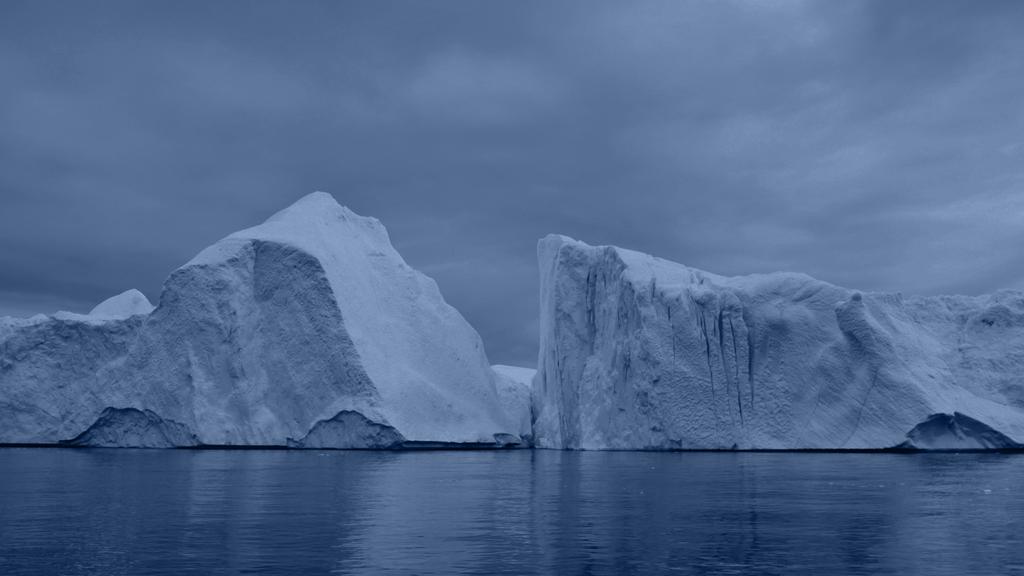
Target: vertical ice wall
[{"x": 641, "y": 353}]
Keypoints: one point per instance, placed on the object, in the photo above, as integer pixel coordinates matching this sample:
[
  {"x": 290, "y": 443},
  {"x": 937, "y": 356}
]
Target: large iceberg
[
  {"x": 308, "y": 330},
  {"x": 642, "y": 353}
]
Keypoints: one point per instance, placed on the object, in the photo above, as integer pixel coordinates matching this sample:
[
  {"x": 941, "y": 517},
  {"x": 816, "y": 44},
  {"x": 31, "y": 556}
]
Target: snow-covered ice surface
[
  {"x": 128, "y": 303},
  {"x": 642, "y": 353},
  {"x": 284, "y": 331}
]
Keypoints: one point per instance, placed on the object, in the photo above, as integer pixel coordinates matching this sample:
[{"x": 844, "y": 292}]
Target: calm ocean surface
[{"x": 110, "y": 512}]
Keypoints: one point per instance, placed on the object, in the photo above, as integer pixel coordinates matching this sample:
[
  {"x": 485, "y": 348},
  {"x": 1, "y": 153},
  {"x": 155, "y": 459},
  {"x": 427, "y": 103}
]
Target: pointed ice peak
[
  {"x": 126, "y": 304},
  {"x": 318, "y": 207},
  {"x": 316, "y": 211},
  {"x": 559, "y": 239},
  {"x": 315, "y": 223},
  {"x": 315, "y": 203}
]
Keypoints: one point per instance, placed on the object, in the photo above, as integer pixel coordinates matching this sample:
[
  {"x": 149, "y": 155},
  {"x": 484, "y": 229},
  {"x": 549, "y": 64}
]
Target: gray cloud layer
[{"x": 878, "y": 145}]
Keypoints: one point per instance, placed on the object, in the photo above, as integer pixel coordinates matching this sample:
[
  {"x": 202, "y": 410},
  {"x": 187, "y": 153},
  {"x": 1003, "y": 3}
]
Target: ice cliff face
[
  {"x": 641, "y": 353},
  {"x": 131, "y": 428},
  {"x": 309, "y": 327},
  {"x": 55, "y": 373},
  {"x": 956, "y": 432},
  {"x": 514, "y": 384}
]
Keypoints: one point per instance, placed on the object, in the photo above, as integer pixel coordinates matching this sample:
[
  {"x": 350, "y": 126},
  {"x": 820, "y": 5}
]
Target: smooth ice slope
[
  {"x": 125, "y": 304},
  {"x": 308, "y": 319},
  {"x": 641, "y": 353}
]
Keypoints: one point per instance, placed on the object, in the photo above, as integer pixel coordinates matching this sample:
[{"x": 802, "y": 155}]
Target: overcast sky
[{"x": 877, "y": 145}]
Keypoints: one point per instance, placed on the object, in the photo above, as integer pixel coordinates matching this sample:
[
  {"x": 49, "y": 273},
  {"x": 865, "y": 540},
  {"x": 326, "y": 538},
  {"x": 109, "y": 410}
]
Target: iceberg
[
  {"x": 637, "y": 352},
  {"x": 308, "y": 330},
  {"x": 514, "y": 384}
]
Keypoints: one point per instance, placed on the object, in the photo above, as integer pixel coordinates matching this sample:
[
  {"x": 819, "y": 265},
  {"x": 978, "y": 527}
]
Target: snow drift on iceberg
[
  {"x": 282, "y": 331},
  {"x": 642, "y": 353}
]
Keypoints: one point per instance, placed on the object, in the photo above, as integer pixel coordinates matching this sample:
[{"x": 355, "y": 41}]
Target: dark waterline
[{"x": 508, "y": 512}]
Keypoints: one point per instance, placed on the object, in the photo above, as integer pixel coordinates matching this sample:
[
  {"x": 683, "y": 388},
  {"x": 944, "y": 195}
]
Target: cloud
[
  {"x": 456, "y": 85},
  {"x": 873, "y": 144}
]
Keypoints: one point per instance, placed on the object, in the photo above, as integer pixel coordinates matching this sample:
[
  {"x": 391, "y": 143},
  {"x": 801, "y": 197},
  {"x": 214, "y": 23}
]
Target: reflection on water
[{"x": 522, "y": 512}]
